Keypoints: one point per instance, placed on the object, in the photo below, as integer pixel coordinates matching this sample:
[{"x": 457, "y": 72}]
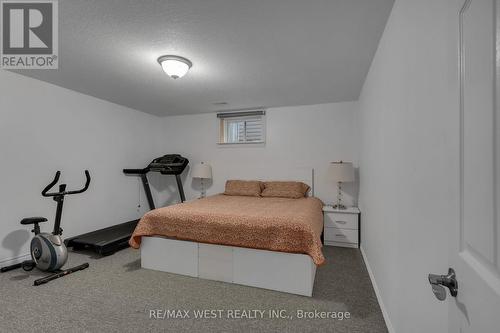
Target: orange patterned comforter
[{"x": 277, "y": 224}]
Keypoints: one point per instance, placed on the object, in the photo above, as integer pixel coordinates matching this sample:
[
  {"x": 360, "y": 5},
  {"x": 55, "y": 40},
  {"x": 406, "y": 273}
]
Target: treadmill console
[{"x": 171, "y": 164}]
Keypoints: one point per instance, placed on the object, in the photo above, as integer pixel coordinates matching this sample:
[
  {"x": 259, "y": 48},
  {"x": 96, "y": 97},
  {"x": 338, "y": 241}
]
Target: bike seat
[{"x": 33, "y": 220}]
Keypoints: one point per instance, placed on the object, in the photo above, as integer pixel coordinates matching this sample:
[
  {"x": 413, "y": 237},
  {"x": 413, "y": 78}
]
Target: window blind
[{"x": 233, "y": 114}]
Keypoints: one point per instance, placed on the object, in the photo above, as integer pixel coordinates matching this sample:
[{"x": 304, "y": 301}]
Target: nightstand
[{"x": 341, "y": 226}]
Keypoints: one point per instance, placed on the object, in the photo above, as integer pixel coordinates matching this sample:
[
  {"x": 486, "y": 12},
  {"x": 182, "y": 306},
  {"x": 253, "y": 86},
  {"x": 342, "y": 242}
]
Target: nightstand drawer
[
  {"x": 341, "y": 235},
  {"x": 341, "y": 220}
]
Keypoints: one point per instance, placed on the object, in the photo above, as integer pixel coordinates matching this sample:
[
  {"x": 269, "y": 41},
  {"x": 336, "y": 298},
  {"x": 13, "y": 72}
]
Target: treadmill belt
[{"x": 104, "y": 241}]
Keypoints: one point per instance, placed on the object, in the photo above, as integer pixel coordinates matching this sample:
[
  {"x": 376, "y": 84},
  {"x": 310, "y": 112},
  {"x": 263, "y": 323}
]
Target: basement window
[{"x": 242, "y": 127}]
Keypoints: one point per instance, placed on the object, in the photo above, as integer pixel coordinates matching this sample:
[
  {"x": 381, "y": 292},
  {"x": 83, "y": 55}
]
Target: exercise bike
[{"x": 48, "y": 252}]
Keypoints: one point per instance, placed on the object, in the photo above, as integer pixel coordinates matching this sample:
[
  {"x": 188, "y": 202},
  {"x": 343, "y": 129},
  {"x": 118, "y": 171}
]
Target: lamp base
[{"x": 339, "y": 206}]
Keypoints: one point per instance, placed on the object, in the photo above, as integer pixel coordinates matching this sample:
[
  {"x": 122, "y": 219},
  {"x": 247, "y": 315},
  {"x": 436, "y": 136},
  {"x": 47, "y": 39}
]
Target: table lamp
[
  {"x": 341, "y": 172},
  {"x": 202, "y": 171}
]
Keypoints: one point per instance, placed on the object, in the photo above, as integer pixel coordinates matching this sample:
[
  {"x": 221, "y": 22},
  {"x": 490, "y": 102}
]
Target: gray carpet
[{"x": 116, "y": 295}]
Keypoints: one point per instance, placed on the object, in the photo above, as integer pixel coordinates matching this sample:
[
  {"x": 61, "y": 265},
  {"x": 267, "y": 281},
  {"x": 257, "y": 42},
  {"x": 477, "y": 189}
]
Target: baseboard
[
  {"x": 15, "y": 260},
  {"x": 388, "y": 323}
]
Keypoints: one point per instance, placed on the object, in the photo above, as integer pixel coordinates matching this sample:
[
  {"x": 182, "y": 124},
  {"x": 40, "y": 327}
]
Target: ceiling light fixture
[{"x": 174, "y": 66}]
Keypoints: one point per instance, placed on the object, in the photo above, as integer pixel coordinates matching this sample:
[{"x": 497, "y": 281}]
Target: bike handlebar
[
  {"x": 56, "y": 179},
  {"x": 48, "y": 187}
]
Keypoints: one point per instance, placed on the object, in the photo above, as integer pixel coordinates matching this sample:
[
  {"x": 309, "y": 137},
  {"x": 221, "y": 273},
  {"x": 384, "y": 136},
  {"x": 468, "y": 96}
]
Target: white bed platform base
[{"x": 287, "y": 272}]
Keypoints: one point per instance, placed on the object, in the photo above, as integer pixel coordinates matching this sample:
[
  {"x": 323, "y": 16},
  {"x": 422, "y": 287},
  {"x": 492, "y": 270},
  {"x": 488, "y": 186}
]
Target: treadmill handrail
[{"x": 135, "y": 171}]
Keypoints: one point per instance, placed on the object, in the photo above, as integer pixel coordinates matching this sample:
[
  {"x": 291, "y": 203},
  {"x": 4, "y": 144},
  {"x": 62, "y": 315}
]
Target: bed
[{"x": 271, "y": 243}]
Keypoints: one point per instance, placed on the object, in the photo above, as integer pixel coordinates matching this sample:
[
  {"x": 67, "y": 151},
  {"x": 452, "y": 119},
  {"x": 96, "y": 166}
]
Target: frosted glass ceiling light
[{"x": 174, "y": 66}]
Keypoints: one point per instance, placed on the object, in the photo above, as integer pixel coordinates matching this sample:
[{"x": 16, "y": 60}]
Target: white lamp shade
[
  {"x": 341, "y": 172},
  {"x": 202, "y": 170}
]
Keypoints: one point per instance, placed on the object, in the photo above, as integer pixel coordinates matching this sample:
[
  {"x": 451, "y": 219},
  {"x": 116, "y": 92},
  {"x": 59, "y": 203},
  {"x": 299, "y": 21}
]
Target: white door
[{"x": 475, "y": 251}]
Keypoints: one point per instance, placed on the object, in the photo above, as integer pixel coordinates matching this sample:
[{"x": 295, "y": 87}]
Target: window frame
[{"x": 224, "y": 117}]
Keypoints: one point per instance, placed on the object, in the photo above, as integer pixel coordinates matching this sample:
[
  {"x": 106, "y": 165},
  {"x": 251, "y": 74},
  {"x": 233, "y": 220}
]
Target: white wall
[
  {"x": 408, "y": 160},
  {"x": 301, "y": 136},
  {"x": 44, "y": 128}
]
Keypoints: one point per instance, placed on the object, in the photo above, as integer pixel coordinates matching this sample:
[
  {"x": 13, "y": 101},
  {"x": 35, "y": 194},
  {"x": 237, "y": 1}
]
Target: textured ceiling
[{"x": 247, "y": 53}]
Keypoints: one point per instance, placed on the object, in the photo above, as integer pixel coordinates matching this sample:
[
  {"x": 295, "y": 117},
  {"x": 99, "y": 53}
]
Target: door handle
[{"x": 438, "y": 281}]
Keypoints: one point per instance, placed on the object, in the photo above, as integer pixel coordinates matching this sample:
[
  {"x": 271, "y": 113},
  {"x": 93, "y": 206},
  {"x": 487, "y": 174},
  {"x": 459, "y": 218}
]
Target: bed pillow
[
  {"x": 251, "y": 188},
  {"x": 292, "y": 190}
]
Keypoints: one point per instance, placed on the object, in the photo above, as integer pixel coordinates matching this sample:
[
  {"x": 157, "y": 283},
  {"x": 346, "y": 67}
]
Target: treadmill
[
  {"x": 172, "y": 164},
  {"x": 111, "y": 239}
]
